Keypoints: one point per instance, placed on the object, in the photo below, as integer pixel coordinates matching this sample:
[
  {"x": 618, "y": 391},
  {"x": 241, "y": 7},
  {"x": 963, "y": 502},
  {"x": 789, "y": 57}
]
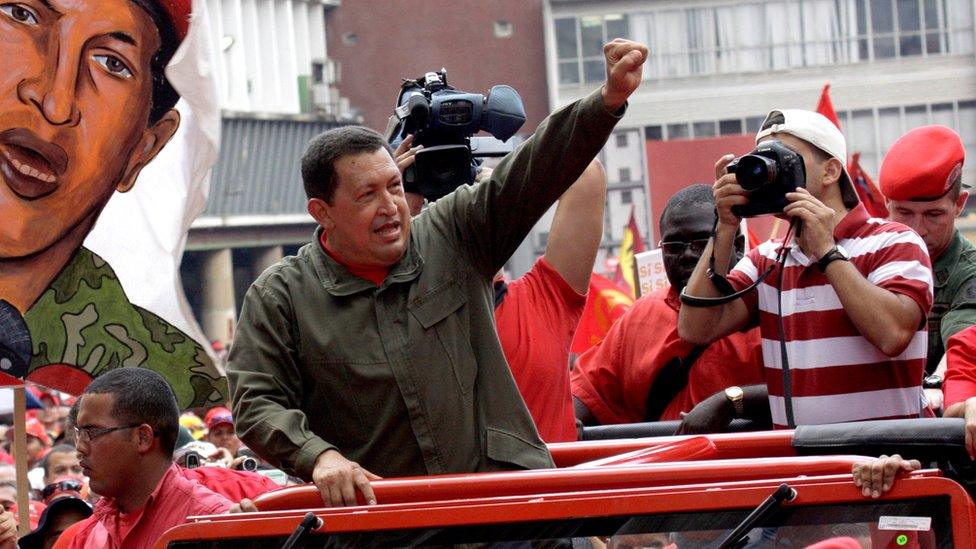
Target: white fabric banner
[{"x": 142, "y": 233}]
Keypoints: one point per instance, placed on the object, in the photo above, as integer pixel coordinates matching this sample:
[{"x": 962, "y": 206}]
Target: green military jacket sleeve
[
  {"x": 407, "y": 378},
  {"x": 954, "y": 307}
]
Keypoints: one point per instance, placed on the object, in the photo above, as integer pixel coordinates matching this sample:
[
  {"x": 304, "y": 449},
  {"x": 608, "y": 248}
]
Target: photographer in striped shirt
[{"x": 843, "y": 300}]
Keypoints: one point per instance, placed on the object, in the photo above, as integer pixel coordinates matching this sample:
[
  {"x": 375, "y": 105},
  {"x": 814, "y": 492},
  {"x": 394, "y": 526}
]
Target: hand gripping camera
[
  {"x": 768, "y": 172},
  {"x": 443, "y": 120}
]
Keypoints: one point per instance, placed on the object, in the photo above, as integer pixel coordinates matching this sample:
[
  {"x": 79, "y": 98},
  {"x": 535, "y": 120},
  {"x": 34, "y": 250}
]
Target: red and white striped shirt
[{"x": 837, "y": 374}]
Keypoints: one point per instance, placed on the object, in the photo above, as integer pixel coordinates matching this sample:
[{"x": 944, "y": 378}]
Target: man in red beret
[{"x": 921, "y": 177}]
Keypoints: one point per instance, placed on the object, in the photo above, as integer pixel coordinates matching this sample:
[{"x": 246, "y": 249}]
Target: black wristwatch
[
  {"x": 834, "y": 254},
  {"x": 933, "y": 381}
]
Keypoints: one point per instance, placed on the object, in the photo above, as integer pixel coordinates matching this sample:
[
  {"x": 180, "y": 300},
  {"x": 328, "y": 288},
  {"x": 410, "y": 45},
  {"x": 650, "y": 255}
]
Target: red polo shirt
[
  {"x": 536, "y": 323},
  {"x": 174, "y": 499},
  {"x": 233, "y": 484},
  {"x": 613, "y": 378},
  {"x": 960, "y": 378}
]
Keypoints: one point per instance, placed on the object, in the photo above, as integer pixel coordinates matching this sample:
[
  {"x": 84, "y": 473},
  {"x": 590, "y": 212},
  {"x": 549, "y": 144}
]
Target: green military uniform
[
  {"x": 407, "y": 378},
  {"x": 84, "y": 320},
  {"x": 955, "y": 296}
]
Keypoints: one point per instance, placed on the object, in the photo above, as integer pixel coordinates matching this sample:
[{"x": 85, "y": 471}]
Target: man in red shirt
[
  {"x": 126, "y": 429},
  {"x": 613, "y": 381},
  {"x": 960, "y": 382},
  {"x": 537, "y": 314}
]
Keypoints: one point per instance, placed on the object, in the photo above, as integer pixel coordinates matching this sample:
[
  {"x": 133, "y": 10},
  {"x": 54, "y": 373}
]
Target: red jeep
[{"x": 752, "y": 489}]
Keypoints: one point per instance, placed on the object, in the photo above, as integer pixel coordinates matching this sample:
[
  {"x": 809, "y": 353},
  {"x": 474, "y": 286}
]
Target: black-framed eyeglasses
[
  {"x": 89, "y": 433},
  {"x": 677, "y": 247}
]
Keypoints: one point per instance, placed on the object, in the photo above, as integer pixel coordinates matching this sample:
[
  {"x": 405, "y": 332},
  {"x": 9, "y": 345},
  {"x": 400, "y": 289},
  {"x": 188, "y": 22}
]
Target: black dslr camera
[
  {"x": 443, "y": 120},
  {"x": 768, "y": 172}
]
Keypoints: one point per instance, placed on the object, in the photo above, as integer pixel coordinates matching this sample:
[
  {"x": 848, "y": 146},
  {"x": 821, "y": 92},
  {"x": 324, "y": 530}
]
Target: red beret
[
  {"x": 922, "y": 164},
  {"x": 179, "y": 14}
]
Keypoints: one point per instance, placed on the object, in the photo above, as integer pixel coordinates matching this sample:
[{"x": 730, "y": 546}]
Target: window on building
[
  {"x": 626, "y": 197},
  {"x": 678, "y": 131},
  {"x": 753, "y": 123},
  {"x": 623, "y": 174},
  {"x": 622, "y": 140},
  {"x": 653, "y": 133},
  {"x": 503, "y": 29},
  {"x": 705, "y": 129},
  {"x": 730, "y": 127},
  {"x": 579, "y": 45},
  {"x": 759, "y": 36}
]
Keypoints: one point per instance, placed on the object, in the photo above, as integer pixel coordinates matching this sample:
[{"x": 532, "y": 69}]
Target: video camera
[
  {"x": 768, "y": 172},
  {"x": 443, "y": 120}
]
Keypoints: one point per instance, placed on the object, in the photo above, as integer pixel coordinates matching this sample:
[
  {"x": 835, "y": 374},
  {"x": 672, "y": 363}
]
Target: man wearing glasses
[
  {"x": 642, "y": 371},
  {"x": 126, "y": 429}
]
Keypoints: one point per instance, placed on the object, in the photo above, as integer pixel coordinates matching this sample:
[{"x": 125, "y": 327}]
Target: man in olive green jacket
[{"x": 373, "y": 351}]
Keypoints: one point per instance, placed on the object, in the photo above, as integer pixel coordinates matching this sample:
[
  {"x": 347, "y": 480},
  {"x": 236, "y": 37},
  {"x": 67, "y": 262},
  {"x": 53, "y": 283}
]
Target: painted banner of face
[{"x": 84, "y": 106}]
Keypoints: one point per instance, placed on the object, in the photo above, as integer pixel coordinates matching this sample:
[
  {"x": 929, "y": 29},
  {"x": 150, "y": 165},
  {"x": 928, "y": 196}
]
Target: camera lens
[{"x": 754, "y": 172}]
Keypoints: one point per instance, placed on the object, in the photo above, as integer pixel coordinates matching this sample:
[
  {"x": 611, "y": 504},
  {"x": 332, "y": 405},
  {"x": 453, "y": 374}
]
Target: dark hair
[
  {"x": 164, "y": 96},
  {"x": 698, "y": 194},
  {"x": 322, "y": 152},
  {"x": 141, "y": 396},
  {"x": 59, "y": 449}
]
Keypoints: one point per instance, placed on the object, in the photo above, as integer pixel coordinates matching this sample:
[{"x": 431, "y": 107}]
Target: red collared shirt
[
  {"x": 613, "y": 378},
  {"x": 174, "y": 499},
  {"x": 536, "y": 323},
  {"x": 960, "y": 376}
]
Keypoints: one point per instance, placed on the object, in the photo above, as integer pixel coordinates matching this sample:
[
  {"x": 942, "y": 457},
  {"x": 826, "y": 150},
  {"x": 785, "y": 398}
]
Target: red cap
[
  {"x": 179, "y": 14},
  {"x": 922, "y": 165},
  {"x": 218, "y": 416},
  {"x": 34, "y": 429}
]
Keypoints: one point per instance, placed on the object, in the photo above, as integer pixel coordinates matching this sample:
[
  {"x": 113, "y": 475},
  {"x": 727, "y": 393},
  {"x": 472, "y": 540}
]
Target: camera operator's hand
[
  {"x": 817, "y": 236},
  {"x": 405, "y": 155},
  {"x": 728, "y": 193},
  {"x": 337, "y": 479},
  {"x": 625, "y": 61}
]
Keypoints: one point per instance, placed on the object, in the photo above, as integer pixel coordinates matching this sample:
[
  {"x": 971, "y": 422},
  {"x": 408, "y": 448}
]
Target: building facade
[
  {"x": 378, "y": 43},
  {"x": 277, "y": 87},
  {"x": 717, "y": 66}
]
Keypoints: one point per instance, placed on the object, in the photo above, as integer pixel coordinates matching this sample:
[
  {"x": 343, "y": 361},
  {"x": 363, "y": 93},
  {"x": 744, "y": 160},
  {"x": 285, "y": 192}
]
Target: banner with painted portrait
[{"x": 109, "y": 126}]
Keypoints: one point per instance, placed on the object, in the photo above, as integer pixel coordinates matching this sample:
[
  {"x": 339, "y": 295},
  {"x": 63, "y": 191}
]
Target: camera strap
[{"x": 722, "y": 283}]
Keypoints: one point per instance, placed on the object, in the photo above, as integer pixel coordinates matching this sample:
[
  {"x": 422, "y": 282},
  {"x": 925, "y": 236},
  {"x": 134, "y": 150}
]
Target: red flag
[
  {"x": 826, "y": 107},
  {"x": 635, "y": 230},
  {"x": 867, "y": 191},
  {"x": 605, "y": 303},
  {"x": 632, "y": 244}
]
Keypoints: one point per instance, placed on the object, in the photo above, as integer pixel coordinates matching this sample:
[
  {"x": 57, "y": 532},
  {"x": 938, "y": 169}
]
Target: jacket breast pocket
[{"x": 443, "y": 316}]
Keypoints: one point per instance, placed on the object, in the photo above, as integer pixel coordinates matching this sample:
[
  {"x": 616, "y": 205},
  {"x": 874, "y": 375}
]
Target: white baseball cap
[{"x": 812, "y": 127}]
